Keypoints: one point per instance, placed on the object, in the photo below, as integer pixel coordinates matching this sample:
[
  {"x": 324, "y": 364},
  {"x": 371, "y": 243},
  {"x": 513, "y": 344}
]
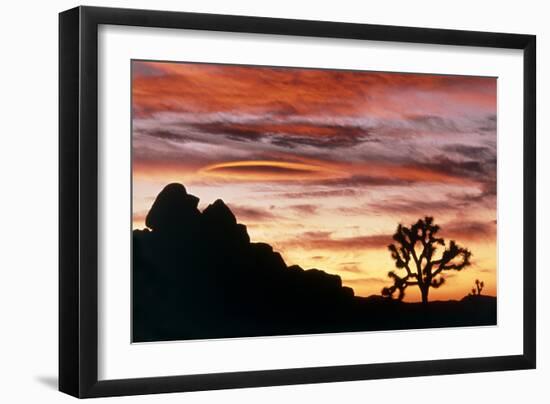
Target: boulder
[
  {"x": 219, "y": 214},
  {"x": 322, "y": 281},
  {"x": 173, "y": 210}
]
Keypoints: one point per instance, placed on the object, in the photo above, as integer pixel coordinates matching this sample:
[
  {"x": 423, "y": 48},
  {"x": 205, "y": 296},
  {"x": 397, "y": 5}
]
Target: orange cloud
[
  {"x": 269, "y": 170},
  {"x": 195, "y": 87},
  {"x": 324, "y": 241}
]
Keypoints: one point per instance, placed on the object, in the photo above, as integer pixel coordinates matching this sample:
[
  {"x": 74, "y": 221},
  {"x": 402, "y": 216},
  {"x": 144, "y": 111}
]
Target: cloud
[
  {"x": 347, "y": 192},
  {"x": 195, "y": 87},
  {"x": 418, "y": 207},
  {"x": 288, "y": 133},
  {"x": 471, "y": 151},
  {"x": 316, "y": 234},
  {"x": 360, "y": 180},
  {"x": 270, "y": 170},
  {"x": 304, "y": 209},
  {"x": 323, "y": 240},
  {"x": 139, "y": 216},
  {"x": 488, "y": 125},
  {"x": 472, "y": 169},
  {"x": 465, "y": 230},
  {"x": 435, "y": 123},
  {"x": 369, "y": 279},
  {"x": 469, "y": 230},
  {"x": 145, "y": 69},
  {"x": 485, "y": 196},
  {"x": 189, "y": 141},
  {"x": 166, "y": 135},
  {"x": 192, "y": 114},
  {"x": 352, "y": 267},
  {"x": 247, "y": 213}
]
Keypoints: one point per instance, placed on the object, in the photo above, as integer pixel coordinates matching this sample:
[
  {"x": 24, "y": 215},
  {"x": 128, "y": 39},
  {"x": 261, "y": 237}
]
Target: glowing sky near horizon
[{"x": 324, "y": 164}]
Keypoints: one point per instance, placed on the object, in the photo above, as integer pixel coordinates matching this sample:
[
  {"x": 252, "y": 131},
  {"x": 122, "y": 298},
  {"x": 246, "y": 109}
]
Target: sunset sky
[{"x": 324, "y": 164}]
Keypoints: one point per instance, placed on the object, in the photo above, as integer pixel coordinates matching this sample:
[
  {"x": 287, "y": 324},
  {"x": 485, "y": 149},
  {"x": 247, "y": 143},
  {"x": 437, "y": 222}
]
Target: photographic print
[{"x": 285, "y": 201}]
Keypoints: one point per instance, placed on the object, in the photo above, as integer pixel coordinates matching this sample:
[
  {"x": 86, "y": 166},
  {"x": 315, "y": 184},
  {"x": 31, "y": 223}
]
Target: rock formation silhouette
[{"x": 197, "y": 275}]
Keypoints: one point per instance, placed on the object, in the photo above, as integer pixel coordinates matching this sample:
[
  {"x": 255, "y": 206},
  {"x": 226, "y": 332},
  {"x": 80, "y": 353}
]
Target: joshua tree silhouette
[
  {"x": 476, "y": 291},
  {"x": 414, "y": 251}
]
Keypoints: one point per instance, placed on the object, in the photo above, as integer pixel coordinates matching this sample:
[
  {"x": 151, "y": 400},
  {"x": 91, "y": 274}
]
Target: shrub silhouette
[
  {"x": 414, "y": 252},
  {"x": 476, "y": 291}
]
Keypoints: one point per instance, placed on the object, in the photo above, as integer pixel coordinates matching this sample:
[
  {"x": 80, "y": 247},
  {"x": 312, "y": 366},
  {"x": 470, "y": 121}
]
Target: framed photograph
[{"x": 251, "y": 201}]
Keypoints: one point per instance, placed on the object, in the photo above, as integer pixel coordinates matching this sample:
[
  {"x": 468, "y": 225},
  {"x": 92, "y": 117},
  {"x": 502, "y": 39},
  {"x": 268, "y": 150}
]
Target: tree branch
[{"x": 424, "y": 231}]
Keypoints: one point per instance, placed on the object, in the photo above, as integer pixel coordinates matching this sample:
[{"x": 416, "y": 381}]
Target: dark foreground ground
[
  {"x": 196, "y": 275},
  {"x": 360, "y": 316}
]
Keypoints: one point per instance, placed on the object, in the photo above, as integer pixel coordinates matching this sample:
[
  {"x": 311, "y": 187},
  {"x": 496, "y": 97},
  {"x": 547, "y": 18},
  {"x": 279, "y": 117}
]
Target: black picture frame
[{"x": 78, "y": 201}]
